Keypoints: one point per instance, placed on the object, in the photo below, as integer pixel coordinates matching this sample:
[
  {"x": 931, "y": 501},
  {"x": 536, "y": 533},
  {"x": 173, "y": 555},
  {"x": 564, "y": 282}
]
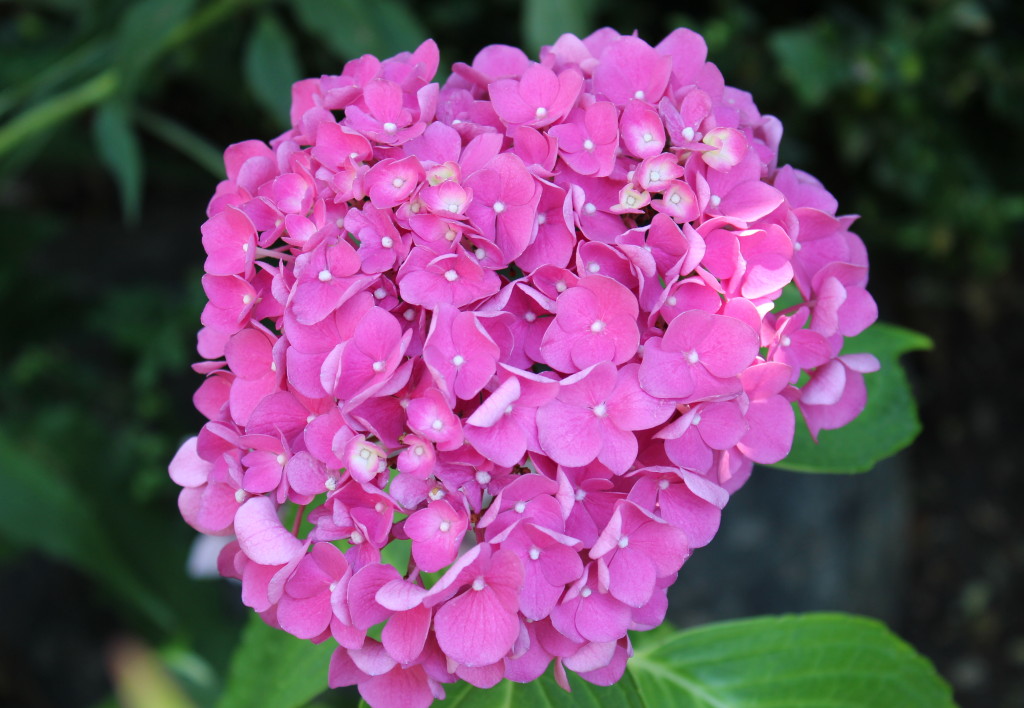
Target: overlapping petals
[{"x": 484, "y": 361}]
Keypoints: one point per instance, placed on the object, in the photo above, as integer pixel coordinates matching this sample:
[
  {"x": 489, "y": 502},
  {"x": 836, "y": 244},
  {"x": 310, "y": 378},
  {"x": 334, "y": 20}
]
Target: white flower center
[
  {"x": 324, "y": 275},
  {"x": 246, "y": 299},
  {"x": 541, "y": 111},
  {"x": 397, "y": 182},
  {"x": 594, "y": 267},
  {"x": 409, "y": 315},
  {"x": 451, "y": 275},
  {"x": 624, "y": 541},
  {"x": 240, "y": 495},
  {"x": 639, "y": 95},
  {"x": 786, "y": 341},
  {"x": 378, "y": 366},
  {"x": 245, "y": 248},
  {"x": 387, "y": 242},
  {"x": 499, "y": 207},
  {"x": 589, "y": 208},
  {"x": 330, "y": 484},
  {"x": 715, "y": 200},
  {"x": 597, "y": 326},
  {"x": 458, "y": 360},
  {"x": 380, "y": 293},
  {"x": 530, "y": 317},
  {"x": 390, "y": 127},
  {"x": 483, "y": 477},
  {"x": 444, "y": 526},
  {"x": 580, "y": 495},
  {"x": 534, "y": 553},
  {"x": 692, "y": 357},
  {"x": 588, "y": 144},
  {"x": 560, "y": 286},
  {"x": 357, "y": 538},
  {"x": 479, "y": 584},
  {"x": 600, "y": 410},
  {"x": 663, "y": 484},
  {"x": 586, "y": 593},
  {"x": 520, "y": 507},
  {"x": 687, "y": 133},
  {"x": 437, "y": 424}
]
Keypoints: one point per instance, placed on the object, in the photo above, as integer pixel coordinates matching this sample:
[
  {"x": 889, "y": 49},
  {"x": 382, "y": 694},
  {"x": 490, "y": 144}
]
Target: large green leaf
[
  {"x": 273, "y": 669},
  {"x": 544, "y": 21},
  {"x": 810, "y": 661},
  {"x": 351, "y": 28},
  {"x": 271, "y": 67},
  {"x": 888, "y": 423}
]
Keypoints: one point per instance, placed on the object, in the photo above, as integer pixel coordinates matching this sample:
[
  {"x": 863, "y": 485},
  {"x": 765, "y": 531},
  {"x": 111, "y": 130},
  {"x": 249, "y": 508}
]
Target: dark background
[{"x": 112, "y": 117}]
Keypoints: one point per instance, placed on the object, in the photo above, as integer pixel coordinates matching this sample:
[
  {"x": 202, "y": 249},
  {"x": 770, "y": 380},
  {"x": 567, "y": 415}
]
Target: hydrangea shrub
[{"x": 484, "y": 361}]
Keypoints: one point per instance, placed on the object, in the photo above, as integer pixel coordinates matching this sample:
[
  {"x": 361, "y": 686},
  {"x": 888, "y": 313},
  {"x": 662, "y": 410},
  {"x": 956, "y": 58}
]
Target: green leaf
[
  {"x": 119, "y": 149},
  {"x": 814, "y": 660},
  {"x": 544, "y": 21},
  {"x": 274, "y": 669},
  {"x": 271, "y": 67},
  {"x": 351, "y": 28},
  {"x": 544, "y": 692},
  {"x": 889, "y": 421}
]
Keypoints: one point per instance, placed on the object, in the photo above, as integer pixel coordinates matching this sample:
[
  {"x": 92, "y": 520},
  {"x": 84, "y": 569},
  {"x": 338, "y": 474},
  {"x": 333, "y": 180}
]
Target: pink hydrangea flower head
[{"x": 520, "y": 332}]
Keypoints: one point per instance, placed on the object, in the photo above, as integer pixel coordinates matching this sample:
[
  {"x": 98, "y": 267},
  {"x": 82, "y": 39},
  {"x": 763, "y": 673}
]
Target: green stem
[{"x": 57, "y": 109}]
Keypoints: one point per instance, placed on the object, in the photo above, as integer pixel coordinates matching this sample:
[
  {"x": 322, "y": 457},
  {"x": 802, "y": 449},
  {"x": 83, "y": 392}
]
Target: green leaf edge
[{"x": 912, "y": 341}]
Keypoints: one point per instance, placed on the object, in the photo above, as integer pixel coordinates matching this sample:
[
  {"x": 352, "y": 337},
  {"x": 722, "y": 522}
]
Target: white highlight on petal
[
  {"x": 324, "y": 275},
  {"x": 273, "y": 366},
  {"x": 597, "y": 326},
  {"x": 451, "y": 275},
  {"x": 498, "y": 207}
]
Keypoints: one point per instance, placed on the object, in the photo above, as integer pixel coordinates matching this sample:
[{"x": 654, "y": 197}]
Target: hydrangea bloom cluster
[{"x": 484, "y": 361}]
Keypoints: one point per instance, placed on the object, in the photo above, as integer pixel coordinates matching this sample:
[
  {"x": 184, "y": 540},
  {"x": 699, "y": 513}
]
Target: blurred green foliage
[{"x": 909, "y": 111}]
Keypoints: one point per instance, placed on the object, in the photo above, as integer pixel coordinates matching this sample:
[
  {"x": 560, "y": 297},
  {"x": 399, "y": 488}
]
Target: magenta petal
[
  {"x": 405, "y": 634},
  {"x": 261, "y": 534},
  {"x": 474, "y": 629}
]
